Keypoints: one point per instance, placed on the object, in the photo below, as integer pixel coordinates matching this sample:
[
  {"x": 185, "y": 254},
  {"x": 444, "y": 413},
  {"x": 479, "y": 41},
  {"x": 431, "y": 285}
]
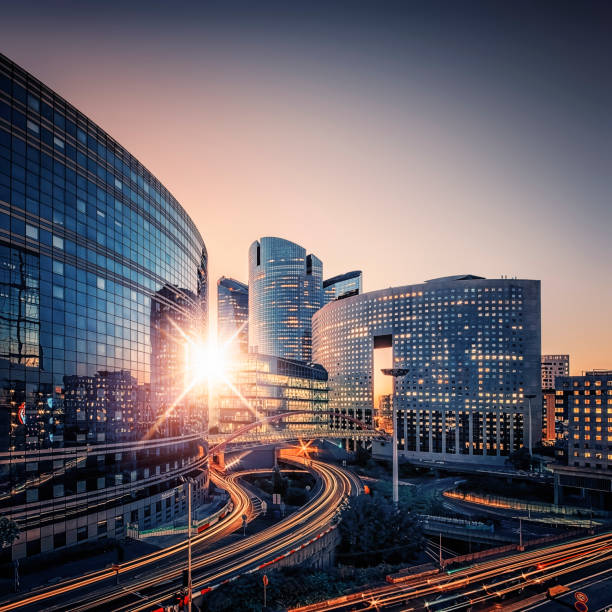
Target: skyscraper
[
  {"x": 90, "y": 242},
  {"x": 342, "y": 286},
  {"x": 285, "y": 290},
  {"x": 232, "y": 315},
  {"x": 472, "y": 349}
]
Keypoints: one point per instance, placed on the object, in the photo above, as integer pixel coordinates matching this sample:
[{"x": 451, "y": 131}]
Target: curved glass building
[
  {"x": 342, "y": 286},
  {"x": 472, "y": 350},
  {"x": 232, "y": 315},
  {"x": 102, "y": 278},
  {"x": 285, "y": 290}
]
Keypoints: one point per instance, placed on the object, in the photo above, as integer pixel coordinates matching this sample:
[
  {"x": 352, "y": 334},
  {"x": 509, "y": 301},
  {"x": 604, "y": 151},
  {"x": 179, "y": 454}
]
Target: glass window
[{"x": 31, "y": 232}]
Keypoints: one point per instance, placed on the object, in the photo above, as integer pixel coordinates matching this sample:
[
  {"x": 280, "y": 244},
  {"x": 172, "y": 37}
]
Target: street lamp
[
  {"x": 190, "y": 482},
  {"x": 529, "y": 397},
  {"x": 396, "y": 373}
]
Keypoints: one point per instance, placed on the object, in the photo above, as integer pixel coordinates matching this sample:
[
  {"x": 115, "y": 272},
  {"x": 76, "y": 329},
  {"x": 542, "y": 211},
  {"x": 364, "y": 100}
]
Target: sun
[{"x": 206, "y": 362}]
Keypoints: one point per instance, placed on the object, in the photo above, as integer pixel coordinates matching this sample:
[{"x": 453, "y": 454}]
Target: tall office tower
[
  {"x": 472, "y": 349},
  {"x": 552, "y": 367},
  {"x": 285, "y": 290},
  {"x": 88, "y": 240},
  {"x": 232, "y": 316},
  {"x": 342, "y": 286},
  {"x": 587, "y": 478}
]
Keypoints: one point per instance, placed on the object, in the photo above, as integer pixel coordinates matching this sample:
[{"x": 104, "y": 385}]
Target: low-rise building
[{"x": 587, "y": 477}]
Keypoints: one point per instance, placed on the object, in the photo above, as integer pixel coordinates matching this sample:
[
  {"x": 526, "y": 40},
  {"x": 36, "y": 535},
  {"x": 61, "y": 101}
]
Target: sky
[{"x": 410, "y": 139}]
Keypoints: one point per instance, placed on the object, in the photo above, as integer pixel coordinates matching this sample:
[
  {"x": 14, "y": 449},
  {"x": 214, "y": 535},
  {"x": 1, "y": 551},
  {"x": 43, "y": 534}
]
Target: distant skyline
[{"x": 409, "y": 140}]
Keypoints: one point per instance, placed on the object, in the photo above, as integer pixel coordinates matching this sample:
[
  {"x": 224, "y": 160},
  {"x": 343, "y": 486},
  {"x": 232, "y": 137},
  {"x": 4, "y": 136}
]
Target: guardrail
[
  {"x": 454, "y": 522},
  {"x": 199, "y": 525},
  {"x": 508, "y": 503}
]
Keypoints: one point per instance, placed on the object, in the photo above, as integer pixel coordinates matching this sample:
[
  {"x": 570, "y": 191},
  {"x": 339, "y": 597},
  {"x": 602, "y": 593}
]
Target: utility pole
[
  {"x": 189, "y": 547},
  {"x": 440, "y": 550},
  {"x": 189, "y": 481}
]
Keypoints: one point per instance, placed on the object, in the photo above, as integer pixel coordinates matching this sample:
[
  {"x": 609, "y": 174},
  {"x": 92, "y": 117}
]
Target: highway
[
  {"x": 482, "y": 583},
  {"x": 147, "y": 590},
  {"x": 41, "y": 597}
]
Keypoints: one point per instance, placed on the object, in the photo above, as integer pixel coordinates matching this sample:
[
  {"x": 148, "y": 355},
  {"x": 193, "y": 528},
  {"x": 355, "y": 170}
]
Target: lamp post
[
  {"x": 529, "y": 397},
  {"x": 189, "y": 481},
  {"x": 396, "y": 373}
]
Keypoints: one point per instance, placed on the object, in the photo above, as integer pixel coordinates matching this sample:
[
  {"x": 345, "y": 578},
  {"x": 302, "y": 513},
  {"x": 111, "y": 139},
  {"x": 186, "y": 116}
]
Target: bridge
[{"x": 248, "y": 436}]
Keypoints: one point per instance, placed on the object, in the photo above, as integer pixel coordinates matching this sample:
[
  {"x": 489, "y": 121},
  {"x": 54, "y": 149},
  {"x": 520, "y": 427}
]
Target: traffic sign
[
  {"x": 580, "y": 596},
  {"x": 581, "y": 607},
  {"x": 265, "y": 580}
]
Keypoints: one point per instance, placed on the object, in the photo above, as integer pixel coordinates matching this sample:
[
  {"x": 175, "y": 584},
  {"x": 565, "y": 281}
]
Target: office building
[
  {"x": 342, "y": 286},
  {"x": 285, "y": 290},
  {"x": 90, "y": 243},
  {"x": 553, "y": 366},
  {"x": 587, "y": 477},
  {"x": 268, "y": 386},
  {"x": 472, "y": 349},
  {"x": 232, "y": 316}
]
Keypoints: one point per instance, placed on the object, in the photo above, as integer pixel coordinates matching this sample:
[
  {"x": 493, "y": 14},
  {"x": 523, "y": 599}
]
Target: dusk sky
[{"x": 409, "y": 140}]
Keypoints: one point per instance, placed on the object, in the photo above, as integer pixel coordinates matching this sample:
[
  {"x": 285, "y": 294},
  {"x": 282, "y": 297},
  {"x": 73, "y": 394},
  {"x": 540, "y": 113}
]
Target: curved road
[
  {"x": 161, "y": 571},
  {"x": 41, "y": 598}
]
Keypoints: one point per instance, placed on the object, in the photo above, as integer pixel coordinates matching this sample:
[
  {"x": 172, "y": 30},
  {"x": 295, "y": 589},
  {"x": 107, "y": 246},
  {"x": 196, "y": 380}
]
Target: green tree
[
  {"x": 9, "y": 532},
  {"x": 279, "y": 483},
  {"x": 374, "y": 531},
  {"x": 362, "y": 456},
  {"x": 520, "y": 459}
]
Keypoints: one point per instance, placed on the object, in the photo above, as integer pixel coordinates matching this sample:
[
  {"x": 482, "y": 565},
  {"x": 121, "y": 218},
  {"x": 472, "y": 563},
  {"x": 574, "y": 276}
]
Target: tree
[
  {"x": 279, "y": 483},
  {"x": 9, "y": 532},
  {"x": 362, "y": 456},
  {"x": 520, "y": 459},
  {"x": 374, "y": 531}
]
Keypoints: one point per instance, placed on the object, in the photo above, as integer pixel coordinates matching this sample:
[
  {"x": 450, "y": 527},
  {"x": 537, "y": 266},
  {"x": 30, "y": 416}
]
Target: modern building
[
  {"x": 587, "y": 477},
  {"x": 178, "y": 324},
  {"x": 552, "y": 367},
  {"x": 285, "y": 290},
  {"x": 90, "y": 243},
  {"x": 472, "y": 349},
  {"x": 342, "y": 286},
  {"x": 233, "y": 315},
  {"x": 263, "y": 386}
]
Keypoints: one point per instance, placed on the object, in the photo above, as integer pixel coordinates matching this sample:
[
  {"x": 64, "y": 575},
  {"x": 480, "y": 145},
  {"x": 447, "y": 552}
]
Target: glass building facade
[
  {"x": 342, "y": 286},
  {"x": 270, "y": 385},
  {"x": 285, "y": 290},
  {"x": 232, "y": 315},
  {"x": 100, "y": 267},
  {"x": 472, "y": 350}
]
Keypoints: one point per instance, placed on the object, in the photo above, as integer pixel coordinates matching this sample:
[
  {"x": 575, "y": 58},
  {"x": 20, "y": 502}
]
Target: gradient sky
[{"x": 409, "y": 140}]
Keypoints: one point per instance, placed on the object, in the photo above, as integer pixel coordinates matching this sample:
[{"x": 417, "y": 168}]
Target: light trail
[
  {"x": 521, "y": 569},
  {"x": 269, "y": 544},
  {"x": 231, "y": 522}
]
